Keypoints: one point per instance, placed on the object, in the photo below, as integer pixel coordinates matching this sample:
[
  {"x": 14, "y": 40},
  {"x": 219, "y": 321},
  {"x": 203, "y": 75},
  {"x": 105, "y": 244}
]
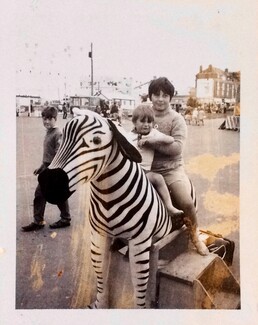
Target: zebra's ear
[{"x": 127, "y": 149}]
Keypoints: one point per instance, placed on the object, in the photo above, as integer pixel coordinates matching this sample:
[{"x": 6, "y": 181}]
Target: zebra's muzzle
[{"x": 54, "y": 185}]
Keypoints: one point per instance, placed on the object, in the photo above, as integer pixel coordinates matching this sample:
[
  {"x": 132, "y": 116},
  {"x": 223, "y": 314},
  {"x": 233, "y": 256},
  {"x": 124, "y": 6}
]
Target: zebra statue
[{"x": 123, "y": 203}]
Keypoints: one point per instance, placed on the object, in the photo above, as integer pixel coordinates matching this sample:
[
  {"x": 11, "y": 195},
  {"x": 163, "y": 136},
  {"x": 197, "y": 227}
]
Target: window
[{"x": 227, "y": 90}]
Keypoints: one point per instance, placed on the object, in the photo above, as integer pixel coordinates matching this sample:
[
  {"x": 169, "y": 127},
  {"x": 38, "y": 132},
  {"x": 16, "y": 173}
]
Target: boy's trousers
[{"x": 39, "y": 204}]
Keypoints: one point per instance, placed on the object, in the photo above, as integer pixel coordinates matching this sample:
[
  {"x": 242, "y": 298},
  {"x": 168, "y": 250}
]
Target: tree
[{"x": 193, "y": 102}]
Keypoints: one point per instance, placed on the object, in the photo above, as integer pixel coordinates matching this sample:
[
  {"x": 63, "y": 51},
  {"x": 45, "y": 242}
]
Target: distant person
[
  {"x": 236, "y": 110},
  {"x": 64, "y": 111},
  {"x": 201, "y": 116},
  {"x": 168, "y": 158},
  {"x": 188, "y": 115},
  {"x": 98, "y": 109},
  {"x": 142, "y": 134},
  {"x": 120, "y": 112},
  {"x": 104, "y": 108},
  {"x": 68, "y": 107},
  {"x": 195, "y": 116},
  {"x": 114, "y": 108},
  {"x": 30, "y": 110},
  {"x": 236, "y": 117},
  {"x": 107, "y": 108},
  {"x": 51, "y": 144},
  {"x": 114, "y": 112}
]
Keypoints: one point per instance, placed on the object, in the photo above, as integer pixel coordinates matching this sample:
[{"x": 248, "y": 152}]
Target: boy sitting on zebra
[
  {"x": 143, "y": 119},
  {"x": 168, "y": 158}
]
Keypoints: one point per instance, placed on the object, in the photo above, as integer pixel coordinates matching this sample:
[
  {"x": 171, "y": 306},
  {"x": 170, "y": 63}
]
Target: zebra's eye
[{"x": 96, "y": 140}]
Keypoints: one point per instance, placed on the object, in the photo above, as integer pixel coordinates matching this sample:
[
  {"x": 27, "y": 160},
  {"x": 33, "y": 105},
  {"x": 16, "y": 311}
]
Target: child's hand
[
  {"x": 36, "y": 171},
  {"x": 146, "y": 142},
  {"x": 39, "y": 170},
  {"x": 141, "y": 143}
]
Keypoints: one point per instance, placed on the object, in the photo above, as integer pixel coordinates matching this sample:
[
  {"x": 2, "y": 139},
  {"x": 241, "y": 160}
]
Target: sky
[{"x": 136, "y": 39}]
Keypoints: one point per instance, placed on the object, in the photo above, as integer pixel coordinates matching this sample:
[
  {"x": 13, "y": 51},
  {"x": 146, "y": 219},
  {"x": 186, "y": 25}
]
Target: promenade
[{"x": 53, "y": 267}]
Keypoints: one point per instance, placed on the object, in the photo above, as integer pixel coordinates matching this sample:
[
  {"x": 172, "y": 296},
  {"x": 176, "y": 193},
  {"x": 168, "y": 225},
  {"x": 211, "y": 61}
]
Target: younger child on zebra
[{"x": 144, "y": 132}]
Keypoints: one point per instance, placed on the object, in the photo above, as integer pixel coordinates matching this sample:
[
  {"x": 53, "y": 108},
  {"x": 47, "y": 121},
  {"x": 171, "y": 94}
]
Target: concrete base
[
  {"x": 162, "y": 253},
  {"x": 192, "y": 281}
]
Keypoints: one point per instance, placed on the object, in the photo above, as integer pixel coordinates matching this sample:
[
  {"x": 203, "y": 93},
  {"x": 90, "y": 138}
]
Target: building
[
  {"x": 126, "y": 102},
  {"x": 179, "y": 102},
  {"x": 26, "y": 103},
  {"x": 216, "y": 86}
]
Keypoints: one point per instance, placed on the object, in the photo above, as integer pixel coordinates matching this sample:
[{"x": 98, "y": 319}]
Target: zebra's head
[{"x": 89, "y": 144}]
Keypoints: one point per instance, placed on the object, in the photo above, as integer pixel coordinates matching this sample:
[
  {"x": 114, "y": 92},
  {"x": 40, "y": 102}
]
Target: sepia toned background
[{"x": 239, "y": 29}]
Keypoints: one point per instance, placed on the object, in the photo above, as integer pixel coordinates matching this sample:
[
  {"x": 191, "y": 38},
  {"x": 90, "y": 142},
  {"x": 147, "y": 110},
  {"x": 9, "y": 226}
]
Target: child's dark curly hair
[
  {"x": 49, "y": 112},
  {"x": 161, "y": 84}
]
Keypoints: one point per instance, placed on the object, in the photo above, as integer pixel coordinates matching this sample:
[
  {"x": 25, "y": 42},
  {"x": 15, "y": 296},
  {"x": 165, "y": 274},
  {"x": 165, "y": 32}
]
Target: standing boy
[
  {"x": 51, "y": 144},
  {"x": 168, "y": 159}
]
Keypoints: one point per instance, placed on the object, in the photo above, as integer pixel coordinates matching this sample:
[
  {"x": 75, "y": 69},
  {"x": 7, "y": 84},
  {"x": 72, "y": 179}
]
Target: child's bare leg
[
  {"x": 194, "y": 236},
  {"x": 158, "y": 182},
  {"x": 184, "y": 201}
]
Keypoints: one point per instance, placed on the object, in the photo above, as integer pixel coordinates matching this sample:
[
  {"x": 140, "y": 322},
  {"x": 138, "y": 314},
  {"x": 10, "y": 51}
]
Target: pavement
[{"x": 53, "y": 268}]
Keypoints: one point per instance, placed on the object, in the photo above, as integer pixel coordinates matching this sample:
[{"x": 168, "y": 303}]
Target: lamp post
[{"x": 91, "y": 57}]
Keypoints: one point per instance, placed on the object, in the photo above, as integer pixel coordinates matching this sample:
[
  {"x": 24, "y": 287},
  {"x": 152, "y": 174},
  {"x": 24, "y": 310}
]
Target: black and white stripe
[{"x": 123, "y": 203}]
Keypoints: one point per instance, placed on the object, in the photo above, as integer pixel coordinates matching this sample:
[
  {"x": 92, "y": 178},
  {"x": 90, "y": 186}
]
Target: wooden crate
[{"x": 192, "y": 281}]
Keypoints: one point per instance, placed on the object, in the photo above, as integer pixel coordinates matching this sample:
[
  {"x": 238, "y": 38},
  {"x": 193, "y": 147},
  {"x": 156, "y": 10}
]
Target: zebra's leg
[
  {"x": 100, "y": 258},
  {"x": 139, "y": 256}
]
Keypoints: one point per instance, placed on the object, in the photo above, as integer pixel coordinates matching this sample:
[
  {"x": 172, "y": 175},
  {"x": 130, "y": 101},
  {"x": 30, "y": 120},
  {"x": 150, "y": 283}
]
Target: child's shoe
[
  {"x": 60, "y": 224},
  {"x": 32, "y": 227}
]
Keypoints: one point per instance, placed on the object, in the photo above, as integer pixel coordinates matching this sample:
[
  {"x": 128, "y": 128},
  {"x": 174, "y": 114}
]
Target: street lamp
[{"x": 91, "y": 57}]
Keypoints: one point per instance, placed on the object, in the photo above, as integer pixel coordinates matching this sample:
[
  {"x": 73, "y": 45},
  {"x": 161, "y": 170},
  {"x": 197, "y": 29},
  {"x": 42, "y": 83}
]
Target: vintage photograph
[{"x": 129, "y": 141}]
